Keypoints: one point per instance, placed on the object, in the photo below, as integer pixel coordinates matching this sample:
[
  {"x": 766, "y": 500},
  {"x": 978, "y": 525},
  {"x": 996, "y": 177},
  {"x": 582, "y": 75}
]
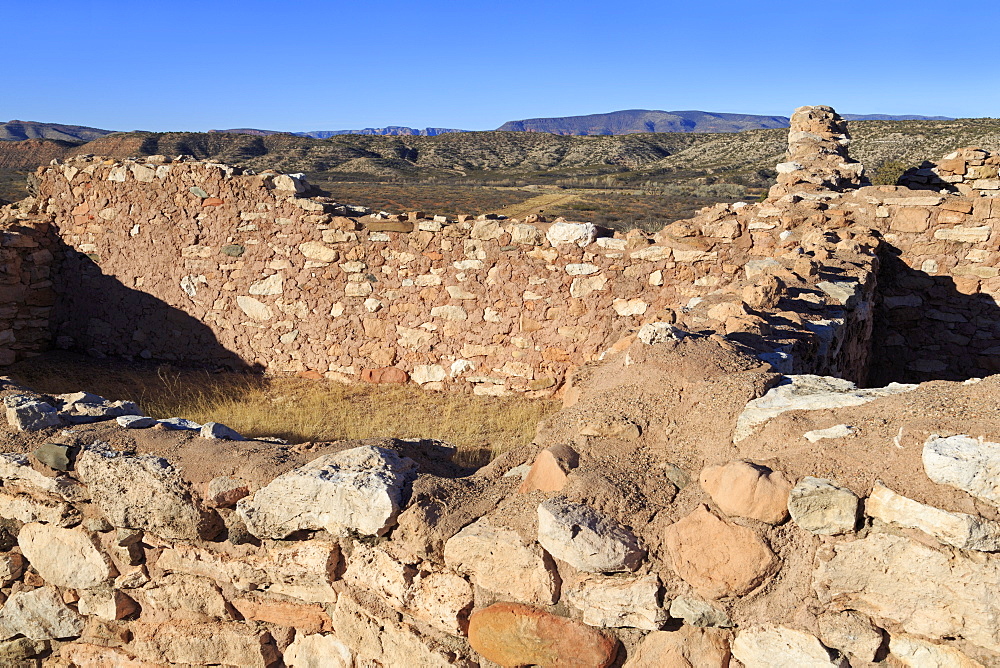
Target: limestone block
[
  {"x": 925, "y": 591},
  {"x": 685, "y": 648},
  {"x": 511, "y": 634},
  {"x": 87, "y": 655},
  {"x": 965, "y": 463},
  {"x": 497, "y": 559},
  {"x": 105, "y": 603},
  {"x": 836, "y": 431},
  {"x": 254, "y": 309},
  {"x": 745, "y": 489},
  {"x": 718, "y": 558},
  {"x": 318, "y": 251},
  {"x": 916, "y": 653},
  {"x": 699, "y": 613},
  {"x": 64, "y": 557},
  {"x": 135, "y": 421},
  {"x": 449, "y": 312},
  {"x": 613, "y": 602},
  {"x": 486, "y": 230},
  {"x": 808, "y": 392},
  {"x": 781, "y": 647},
  {"x": 966, "y": 235},
  {"x": 11, "y": 567},
  {"x": 581, "y": 234},
  {"x": 14, "y": 652},
  {"x": 182, "y": 597},
  {"x": 360, "y": 489},
  {"x": 387, "y": 642},
  {"x": 441, "y": 599},
  {"x": 358, "y": 289},
  {"x": 144, "y": 492},
  {"x": 374, "y": 569},
  {"x": 428, "y": 373},
  {"x": 823, "y": 508},
  {"x": 961, "y": 530},
  {"x": 585, "y": 539},
  {"x": 850, "y": 632},
  {"x": 224, "y": 643},
  {"x": 272, "y": 285},
  {"x": 318, "y": 650},
  {"x": 584, "y": 285},
  {"x": 39, "y": 614},
  {"x": 659, "y": 332},
  {"x": 909, "y": 219},
  {"x": 304, "y": 570},
  {"x": 526, "y": 234},
  {"x": 219, "y": 431},
  {"x": 26, "y": 413},
  {"x": 629, "y": 307},
  {"x": 582, "y": 269},
  {"x": 653, "y": 254},
  {"x": 37, "y": 507}
]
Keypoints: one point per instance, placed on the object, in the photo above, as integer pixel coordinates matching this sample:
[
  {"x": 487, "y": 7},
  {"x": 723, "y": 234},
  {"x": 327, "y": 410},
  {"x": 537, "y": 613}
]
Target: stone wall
[
  {"x": 26, "y": 287},
  {"x": 180, "y": 260}
]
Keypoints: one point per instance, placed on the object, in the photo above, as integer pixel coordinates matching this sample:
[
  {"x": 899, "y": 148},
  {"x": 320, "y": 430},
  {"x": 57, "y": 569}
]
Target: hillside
[
  {"x": 519, "y": 158},
  {"x": 22, "y": 130},
  {"x": 644, "y": 120}
]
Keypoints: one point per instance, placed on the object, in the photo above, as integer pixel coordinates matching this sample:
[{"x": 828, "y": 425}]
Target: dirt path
[{"x": 537, "y": 204}]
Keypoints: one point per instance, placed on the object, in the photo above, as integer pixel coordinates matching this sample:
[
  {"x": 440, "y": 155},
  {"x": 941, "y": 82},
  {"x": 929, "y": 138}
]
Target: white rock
[
  {"x": 26, "y": 413},
  {"x": 105, "y": 603},
  {"x": 615, "y": 602},
  {"x": 64, "y": 557},
  {"x": 135, "y": 421},
  {"x": 497, "y": 559},
  {"x": 965, "y": 463},
  {"x": 272, "y": 285},
  {"x": 143, "y": 492},
  {"x": 583, "y": 269},
  {"x": 967, "y": 532},
  {"x": 39, "y": 614},
  {"x": 629, "y": 307},
  {"x": 836, "y": 431},
  {"x": 968, "y": 235},
  {"x": 581, "y": 234},
  {"x": 588, "y": 541},
  {"x": 808, "y": 392},
  {"x": 696, "y": 612},
  {"x": 843, "y": 292},
  {"x": 288, "y": 182},
  {"x": 254, "y": 309},
  {"x": 584, "y": 285},
  {"x": 526, "y": 234},
  {"x": 850, "y": 632},
  {"x": 916, "y": 653},
  {"x": 318, "y": 251},
  {"x": 460, "y": 366},
  {"x": 927, "y": 592},
  {"x": 219, "y": 431},
  {"x": 653, "y": 253},
  {"x": 449, "y": 313},
  {"x": 659, "y": 332},
  {"x": 820, "y": 507},
  {"x": 780, "y": 647},
  {"x": 360, "y": 489},
  {"x": 428, "y": 373},
  {"x": 319, "y": 650}
]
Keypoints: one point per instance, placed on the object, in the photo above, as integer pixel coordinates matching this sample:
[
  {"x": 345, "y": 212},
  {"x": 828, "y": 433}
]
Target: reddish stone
[
  {"x": 305, "y": 619},
  {"x": 548, "y": 473},
  {"x": 81, "y": 209},
  {"x": 512, "y": 634},
  {"x": 211, "y": 201},
  {"x": 389, "y": 374},
  {"x": 309, "y": 374}
]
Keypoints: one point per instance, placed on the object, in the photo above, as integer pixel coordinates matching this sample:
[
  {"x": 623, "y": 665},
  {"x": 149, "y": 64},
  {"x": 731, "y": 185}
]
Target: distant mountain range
[
  {"x": 21, "y": 130},
  {"x": 631, "y": 121},
  {"x": 392, "y": 130}
]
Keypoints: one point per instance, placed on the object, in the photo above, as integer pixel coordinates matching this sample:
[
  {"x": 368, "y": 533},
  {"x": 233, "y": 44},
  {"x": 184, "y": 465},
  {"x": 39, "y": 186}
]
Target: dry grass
[{"x": 300, "y": 410}]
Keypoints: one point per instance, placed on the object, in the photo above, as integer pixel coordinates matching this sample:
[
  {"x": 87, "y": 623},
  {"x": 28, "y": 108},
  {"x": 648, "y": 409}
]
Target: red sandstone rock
[
  {"x": 548, "y": 473},
  {"x": 309, "y": 374},
  {"x": 389, "y": 374},
  {"x": 305, "y": 619},
  {"x": 748, "y": 490},
  {"x": 512, "y": 634},
  {"x": 211, "y": 201},
  {"x": 718, "y": 558},
  {"x": 689, "y": 647}
]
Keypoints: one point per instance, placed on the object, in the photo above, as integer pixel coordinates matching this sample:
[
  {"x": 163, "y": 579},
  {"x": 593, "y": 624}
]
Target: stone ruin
[{"x": 777, "y": 447}]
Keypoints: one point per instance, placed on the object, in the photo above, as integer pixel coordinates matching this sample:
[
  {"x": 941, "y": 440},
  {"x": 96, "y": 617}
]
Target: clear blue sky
[{"x": 311, "y": 65}]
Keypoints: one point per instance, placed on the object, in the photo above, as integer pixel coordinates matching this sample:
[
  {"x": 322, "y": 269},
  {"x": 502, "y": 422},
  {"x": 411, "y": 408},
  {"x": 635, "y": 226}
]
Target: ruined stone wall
[
  {"x": 26, "y": 285},
  {"x": 191, "y": 261}
]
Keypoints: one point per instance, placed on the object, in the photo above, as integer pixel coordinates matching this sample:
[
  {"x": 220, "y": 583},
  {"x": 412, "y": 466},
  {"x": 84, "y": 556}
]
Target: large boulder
[
  {"x": 512, "y": 634},
  {"x": 750, "y": 490},
  {"x": 497, "y": 559},
  {"x": 39, "y": 614},
  {"x": 64, "y": 557},
  {"x": 927, "y": 592},
  {"x": 360, "y": 489},
  {"x": 585, "y": 539},
  {"x": 718, "y": 558},
  {"x": 144, "y": 492},
  {"x": 968, "y": 464},
  {"x": 781, "y": 647}
]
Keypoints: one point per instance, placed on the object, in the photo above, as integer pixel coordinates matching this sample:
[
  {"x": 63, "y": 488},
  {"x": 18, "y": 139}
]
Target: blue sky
[{"x": 311, "y": 65}]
